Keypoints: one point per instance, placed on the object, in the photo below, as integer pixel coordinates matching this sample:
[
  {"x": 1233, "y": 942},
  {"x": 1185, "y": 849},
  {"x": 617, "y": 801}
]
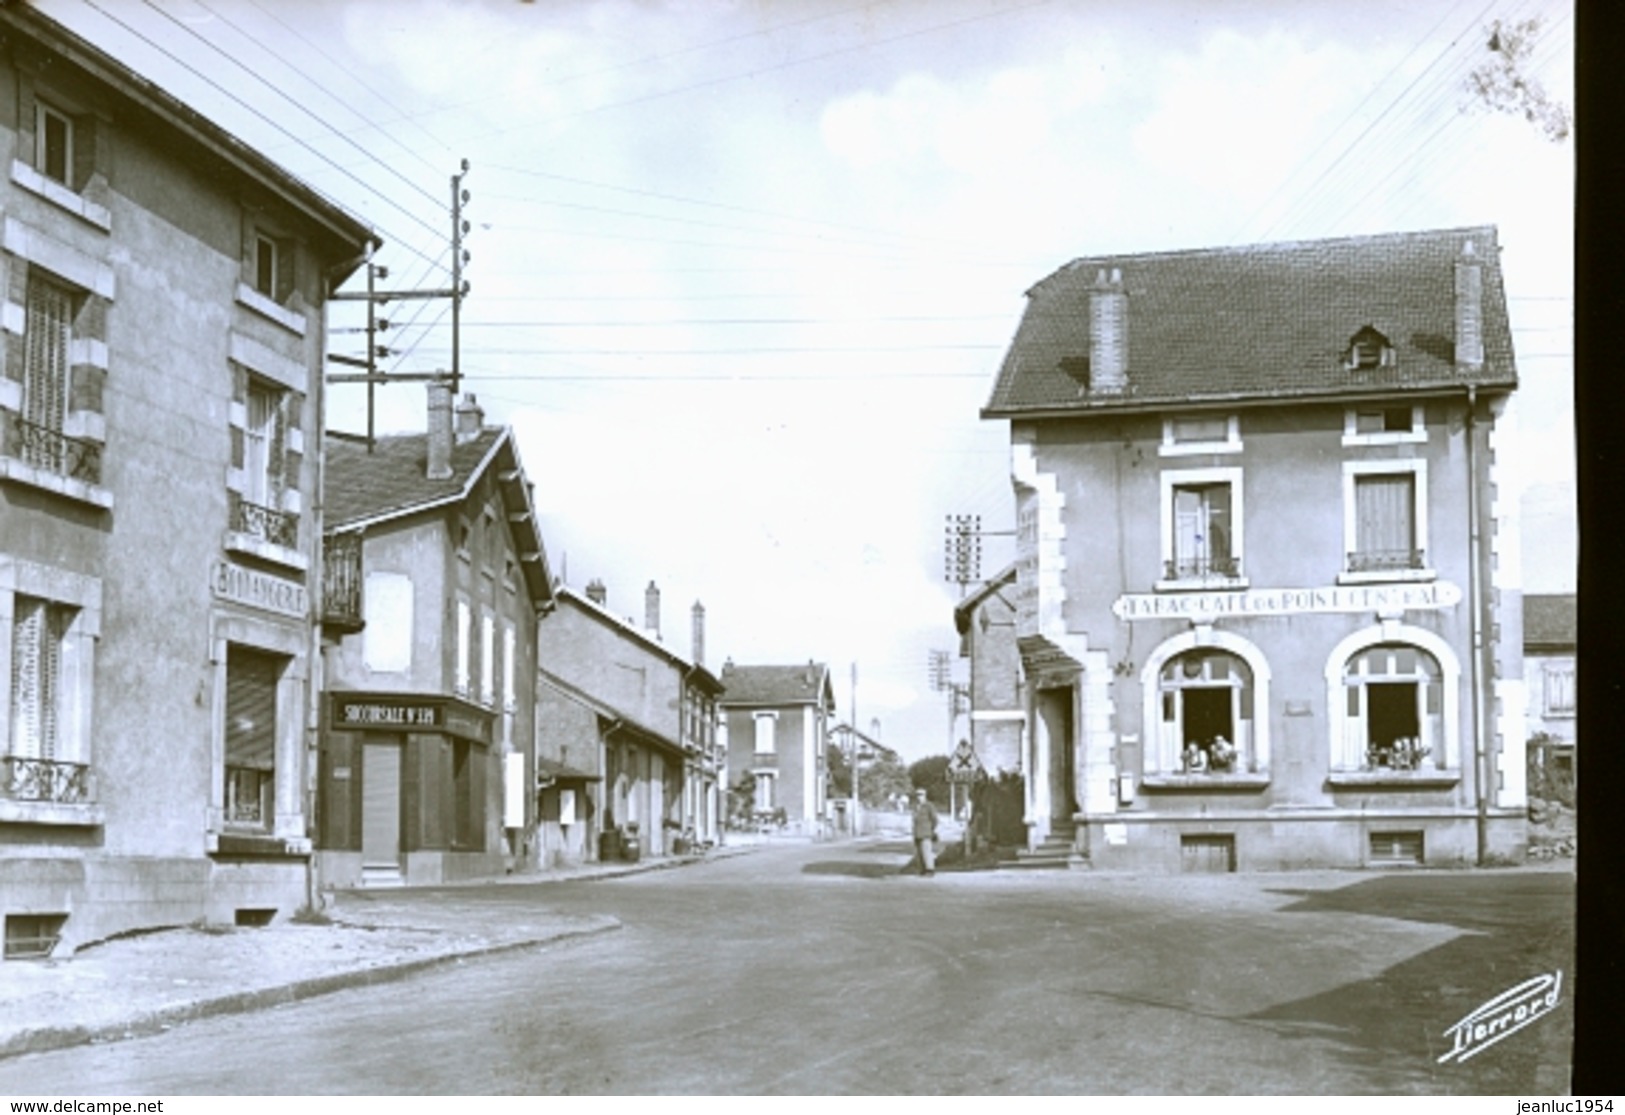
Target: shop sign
[
  {"x": 253, "y": 589},
  {"x": 1433, "y": 595},
  {"x": 386, "y": 714}
]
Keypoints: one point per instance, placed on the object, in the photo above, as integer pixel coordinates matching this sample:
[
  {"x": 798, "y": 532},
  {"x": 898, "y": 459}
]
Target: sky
[{"x": 741, "y": 272}]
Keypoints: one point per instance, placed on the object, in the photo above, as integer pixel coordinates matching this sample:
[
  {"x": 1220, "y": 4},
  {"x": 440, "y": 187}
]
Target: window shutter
[
  {"x": 45, "y": 361},
  {"x": 251, "y": 682},
  {"x": 1385, "y": 514}
]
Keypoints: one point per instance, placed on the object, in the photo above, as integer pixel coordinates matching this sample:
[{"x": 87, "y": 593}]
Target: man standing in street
[{"x": 925, "y": 833}]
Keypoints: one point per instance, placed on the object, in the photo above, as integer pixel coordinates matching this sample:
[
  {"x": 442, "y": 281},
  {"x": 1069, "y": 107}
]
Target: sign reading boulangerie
[{"x": 254, "y": 589}]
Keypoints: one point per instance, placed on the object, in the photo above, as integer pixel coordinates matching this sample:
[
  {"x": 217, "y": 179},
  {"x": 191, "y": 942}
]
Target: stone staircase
[{"x": 1055, "y": 851}]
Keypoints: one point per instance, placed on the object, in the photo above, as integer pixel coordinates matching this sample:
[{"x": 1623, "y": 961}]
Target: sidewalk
[{"x": 148, "y": 983}]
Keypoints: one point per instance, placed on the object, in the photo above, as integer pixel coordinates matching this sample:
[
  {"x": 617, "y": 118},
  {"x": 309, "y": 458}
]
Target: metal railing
[
  {"x": 276, "y": 527},
  {"x": 342, "y": 580},
  {"x": 28, "y": 779},
  {"x": 248, "y": 795},
  {"x": 1384, "y": 561},
  {"x": 53, "y": 451},
  {"x": 1201, "y": 568}
]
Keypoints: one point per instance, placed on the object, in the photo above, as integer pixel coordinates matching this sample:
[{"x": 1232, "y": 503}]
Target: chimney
[
  {"x": 470, "y": 419},
  {"x": 1108, "y": 333},
  {"x": 1469, "y": 309},
  {"x": 439, "y": 430},
  {"x": 651, "y": 610},
  {"x": 698, "y": 634},
  {"x": 597, "y": 593}
]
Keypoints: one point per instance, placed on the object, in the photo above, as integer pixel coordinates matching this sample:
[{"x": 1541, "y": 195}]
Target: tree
[
  {"x": 931, "y": 775},
  {"x": 882, "y": 780},
  {"x": 1502, "y": 82},
  {"x": 840, "y": 772}
]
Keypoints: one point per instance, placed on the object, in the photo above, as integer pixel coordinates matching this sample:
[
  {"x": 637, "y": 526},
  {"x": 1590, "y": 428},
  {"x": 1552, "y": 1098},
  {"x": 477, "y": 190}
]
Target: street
[{"x": 821, "y": 969}]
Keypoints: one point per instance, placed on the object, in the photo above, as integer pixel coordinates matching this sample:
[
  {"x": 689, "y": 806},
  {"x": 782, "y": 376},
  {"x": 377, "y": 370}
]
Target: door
[
  {"x": 1055, "y": 711},
  {"x": 381, "y": 805}
]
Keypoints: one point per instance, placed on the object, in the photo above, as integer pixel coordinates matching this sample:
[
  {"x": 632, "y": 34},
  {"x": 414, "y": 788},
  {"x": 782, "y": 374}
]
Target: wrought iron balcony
[
  {"x": 1215, "y": 567},
  {"x": 341, "y": 582},
  {"x": 1384, "y": 561},
  {"x": 29, "y": 779},
  {"x": 276, "y": 527},
  {"x": 53, "y": 451}
]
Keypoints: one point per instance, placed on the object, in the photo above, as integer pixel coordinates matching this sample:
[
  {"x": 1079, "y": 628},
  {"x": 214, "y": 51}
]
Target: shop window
[
  {"x": 251, "y": 733},
  {"x": 1393, "y": 710},
  {"x": 1207, "y": 713},
  {"x": 1201, "y": 527},
  {"x": 468, "y": 814}
]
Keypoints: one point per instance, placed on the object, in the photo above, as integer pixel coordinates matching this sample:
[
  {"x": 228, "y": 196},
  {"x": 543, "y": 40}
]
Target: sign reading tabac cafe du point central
[{"x": 1287, "y": 601}]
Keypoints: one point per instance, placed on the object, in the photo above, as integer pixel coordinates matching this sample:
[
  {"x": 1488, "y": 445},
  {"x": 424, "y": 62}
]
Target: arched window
[
  {"x": 1206, "y": 702},
  {"x": 1393, "y": 706}
]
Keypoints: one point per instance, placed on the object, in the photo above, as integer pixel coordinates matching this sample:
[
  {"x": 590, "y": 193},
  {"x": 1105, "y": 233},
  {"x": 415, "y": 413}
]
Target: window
[
  {"x": 1383, "y": 424},
  {"x": 1201, "y": 528},
  {"x": 488, "y": 660},
  {"x": 1393, "y": 698},
  {"x": 38, "y": 629},
  {"x": 763, "y": 802},
  {"x": 1385, "y": 524},
  {"x": 766, "y": 728},
  {"x": 262, "y": 447},
  {"x": 251, "y": 731},
  {"x": 53, "y": 144},
  {"x": 465, "y": 622},
  {"x": 265, "y": 266},
  {"x": 1559, "y": 689},
  {"x": 1369, "y": 349},
  {"x": 1200, "y": 433},
  {"x": 48, "y": 333},
  {"x": 1207, "y": 712}
]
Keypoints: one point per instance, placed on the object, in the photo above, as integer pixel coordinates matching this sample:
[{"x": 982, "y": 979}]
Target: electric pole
[{"x": 374, "y": 298}]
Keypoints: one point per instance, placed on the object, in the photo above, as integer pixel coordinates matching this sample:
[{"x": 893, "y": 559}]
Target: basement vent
[
  {"x": 254, "y": 919},
  {"x": 1396, "y": 847},
  {"x": 1208, "y": 852},
  {"x": 33, "y": 936}
]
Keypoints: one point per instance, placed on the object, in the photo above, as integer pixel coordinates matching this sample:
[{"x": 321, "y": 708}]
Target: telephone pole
[{"x": 369, "y": 373}]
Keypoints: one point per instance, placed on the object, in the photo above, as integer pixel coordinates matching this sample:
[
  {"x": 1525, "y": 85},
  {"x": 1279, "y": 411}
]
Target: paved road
[{"x": 820, "y": 969}]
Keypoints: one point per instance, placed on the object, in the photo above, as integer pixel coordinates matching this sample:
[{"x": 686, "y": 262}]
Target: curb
[{"x": 50, "y": 1038}]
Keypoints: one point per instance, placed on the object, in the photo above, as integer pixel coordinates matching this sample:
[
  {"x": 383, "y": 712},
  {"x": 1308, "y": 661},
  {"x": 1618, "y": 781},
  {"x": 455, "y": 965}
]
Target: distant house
[
  {"x": 162, "y": 290},
  {"x": 627, "y": 732},
  {"x": 777, "y": 722},
  {"x": 429, "y": 720},
  {"x": 986, "y": 622},
  {"x": 1549, "y": 645}
]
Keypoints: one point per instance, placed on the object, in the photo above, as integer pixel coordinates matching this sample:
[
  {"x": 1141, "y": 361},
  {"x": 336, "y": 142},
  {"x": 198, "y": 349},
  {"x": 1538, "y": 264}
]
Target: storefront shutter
[{"x": 251, "y": 680}]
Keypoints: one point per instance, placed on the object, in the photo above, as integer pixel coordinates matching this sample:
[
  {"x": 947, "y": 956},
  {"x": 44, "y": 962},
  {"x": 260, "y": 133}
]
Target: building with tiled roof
[
  {"x": 776, "y": 724},
  {"x": 620, "y": 700},
  {"x": 1259, "y": 535},
  {"x": 1550, "y": 650},
  {"x": 165, "y": 288},
  {"x": 436, "y": 579}
]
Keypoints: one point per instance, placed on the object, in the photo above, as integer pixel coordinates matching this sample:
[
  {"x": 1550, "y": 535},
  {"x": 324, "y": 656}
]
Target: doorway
[{"x": 1055, "y": 721}]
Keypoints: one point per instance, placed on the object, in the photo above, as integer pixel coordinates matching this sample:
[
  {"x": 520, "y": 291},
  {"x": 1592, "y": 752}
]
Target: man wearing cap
[{"x": 925, "y": 833}]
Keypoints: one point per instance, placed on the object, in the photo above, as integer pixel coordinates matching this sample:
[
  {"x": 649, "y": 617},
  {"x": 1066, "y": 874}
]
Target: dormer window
[{"x": 1369, "y": 349}]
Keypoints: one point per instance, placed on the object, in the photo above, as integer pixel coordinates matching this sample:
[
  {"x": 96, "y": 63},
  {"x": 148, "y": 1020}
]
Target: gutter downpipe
[{"x": 1475, "y": 622}]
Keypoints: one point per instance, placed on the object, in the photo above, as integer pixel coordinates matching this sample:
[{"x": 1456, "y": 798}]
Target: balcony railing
[
  {"x": 29, "y": 779},
  {"x": 1384, "y": 561},
  {"x": 276, "y": 527},
  {"x": 53, "y": 451},
  {"x": 342, "y": 581},
  {"x": 1201, "y": 568}
]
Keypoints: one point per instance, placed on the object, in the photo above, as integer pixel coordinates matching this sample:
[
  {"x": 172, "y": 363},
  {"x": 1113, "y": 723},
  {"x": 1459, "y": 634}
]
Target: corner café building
[
  {"x": 1268, "y": 609},
  {"x": 405, "y": 783}
]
